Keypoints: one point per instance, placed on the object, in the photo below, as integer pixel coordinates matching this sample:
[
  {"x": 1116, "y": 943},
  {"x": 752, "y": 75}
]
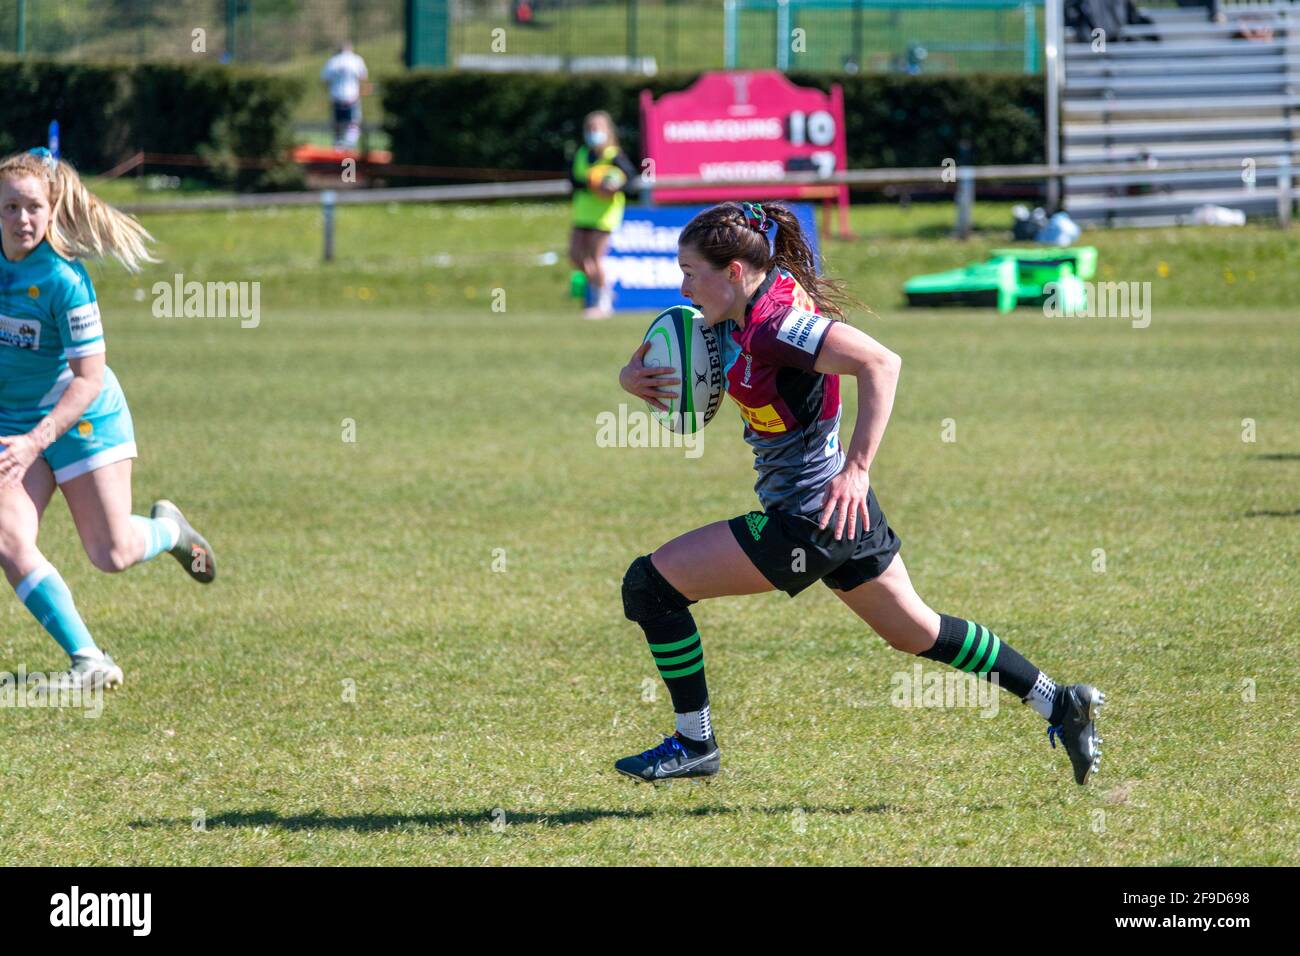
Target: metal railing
[{"x": 966, "y": 178}]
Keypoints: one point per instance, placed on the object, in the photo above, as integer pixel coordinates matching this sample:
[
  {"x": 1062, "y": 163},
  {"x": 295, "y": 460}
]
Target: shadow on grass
[
  {"x": 1293, "y": 513},
  {"x": 1278, "y": 456},
  {"x": 481, "y": 818}
]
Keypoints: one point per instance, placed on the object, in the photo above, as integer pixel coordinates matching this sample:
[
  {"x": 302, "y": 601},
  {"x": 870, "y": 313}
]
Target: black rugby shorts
[{"x": 792, "y": 552}]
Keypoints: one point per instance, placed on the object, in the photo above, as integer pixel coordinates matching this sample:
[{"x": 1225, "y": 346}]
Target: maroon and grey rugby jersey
[{"x": 791, "y": 413}]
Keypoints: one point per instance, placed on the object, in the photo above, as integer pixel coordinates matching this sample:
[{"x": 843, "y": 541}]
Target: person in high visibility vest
[{"x": 602, "y": 177}]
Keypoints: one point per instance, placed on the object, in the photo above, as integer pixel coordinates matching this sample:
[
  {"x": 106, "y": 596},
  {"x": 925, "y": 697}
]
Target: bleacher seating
[{"x": 1183, "y": 88}]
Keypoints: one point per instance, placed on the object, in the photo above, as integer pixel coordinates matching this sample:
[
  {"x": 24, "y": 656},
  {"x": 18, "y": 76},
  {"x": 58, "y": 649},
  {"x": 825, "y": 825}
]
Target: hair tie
[
  {"x": 46, "y": 157},
  {"x": 755, "y": 217}
]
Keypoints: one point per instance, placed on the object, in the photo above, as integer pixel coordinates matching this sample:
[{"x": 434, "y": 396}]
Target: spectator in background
[
  {"x": 345, "y": 74},
  {"x": 602, "y": 177}
]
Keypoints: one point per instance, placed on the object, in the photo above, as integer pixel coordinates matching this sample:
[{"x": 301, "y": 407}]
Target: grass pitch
[{"x": 360, "y": 686}]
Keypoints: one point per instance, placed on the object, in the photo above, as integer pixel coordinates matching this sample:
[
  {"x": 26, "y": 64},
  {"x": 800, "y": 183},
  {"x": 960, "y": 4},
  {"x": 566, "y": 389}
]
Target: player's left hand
[
  {"x": 16, "y": 457},
  {"x": 846, "y": 499}
]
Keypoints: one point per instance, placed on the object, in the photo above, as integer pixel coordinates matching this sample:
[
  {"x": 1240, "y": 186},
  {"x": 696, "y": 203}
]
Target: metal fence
[
  {"x": 911, "y": 36},
  {"x": 641, "y": 35},
  {"x": 266, "y": 32},
  {"x": 644, "y": 36}
]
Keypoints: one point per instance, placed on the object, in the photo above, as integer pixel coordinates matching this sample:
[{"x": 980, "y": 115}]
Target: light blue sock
[
  {"x": 48, "y": 598},
  {"x": 160, "y": 534}
]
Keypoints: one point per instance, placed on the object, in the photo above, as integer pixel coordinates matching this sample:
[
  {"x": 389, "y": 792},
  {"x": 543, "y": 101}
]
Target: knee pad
[{"x": 646, "y": 595}]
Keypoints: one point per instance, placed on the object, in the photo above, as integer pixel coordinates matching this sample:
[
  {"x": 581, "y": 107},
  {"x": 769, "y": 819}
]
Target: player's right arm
[
  {"x": 87, "y": 382},
  {"x": 20, "y": 451},
  {"x": 75, "y": 310},
  {"x": 647, "y": 382},
  {"x": 578, "y": 183}
]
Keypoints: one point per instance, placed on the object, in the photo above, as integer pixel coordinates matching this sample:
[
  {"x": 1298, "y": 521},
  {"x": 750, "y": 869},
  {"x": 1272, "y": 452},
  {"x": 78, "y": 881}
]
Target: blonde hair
[{"x": 82, "y": 226}]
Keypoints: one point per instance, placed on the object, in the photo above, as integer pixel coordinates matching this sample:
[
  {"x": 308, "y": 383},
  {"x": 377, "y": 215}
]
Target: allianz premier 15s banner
[
  {"x": 641, "y": 264},
  {"x": 744, "y": 124}
]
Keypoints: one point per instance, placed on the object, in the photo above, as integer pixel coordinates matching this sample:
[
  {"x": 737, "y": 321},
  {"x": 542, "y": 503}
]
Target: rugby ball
[
  {"x": 679, "y": 339},
  {"x": 606, "y": 176}
]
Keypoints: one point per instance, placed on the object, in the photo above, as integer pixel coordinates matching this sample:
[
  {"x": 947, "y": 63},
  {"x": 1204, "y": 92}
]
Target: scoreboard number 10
[{"x": 817, "y": 128}]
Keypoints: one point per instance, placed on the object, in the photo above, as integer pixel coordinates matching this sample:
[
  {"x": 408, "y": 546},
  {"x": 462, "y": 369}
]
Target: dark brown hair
[{"x": 723, "y": 233}]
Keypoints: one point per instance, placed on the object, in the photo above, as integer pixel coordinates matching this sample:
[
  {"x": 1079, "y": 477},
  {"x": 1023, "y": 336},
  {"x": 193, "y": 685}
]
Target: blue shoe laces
[
  {"x": 1059, "y": 731},
  {"x": 668, "y": 748}
]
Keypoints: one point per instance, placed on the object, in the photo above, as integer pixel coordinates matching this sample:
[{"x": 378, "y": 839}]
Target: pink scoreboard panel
[{"x": 744, "y": 124}]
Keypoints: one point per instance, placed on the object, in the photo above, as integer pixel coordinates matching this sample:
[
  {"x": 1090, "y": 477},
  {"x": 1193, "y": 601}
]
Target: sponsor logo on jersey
[
  {"x": 749, "y": 367},
  {"x": 83, "y": 322},
  {"x": 765, "y": 419},
  {"x": 800, "y": 298},
  {"x": 20, "y": 333},
  {"x": 803, "y": 330}
]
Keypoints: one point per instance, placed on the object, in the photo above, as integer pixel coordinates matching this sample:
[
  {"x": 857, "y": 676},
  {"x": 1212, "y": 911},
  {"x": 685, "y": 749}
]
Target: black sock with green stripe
[
  {"x": 675, "y": 646},
  {"x": 661, "y": 611},
  {"x": 973, "y": 648}
]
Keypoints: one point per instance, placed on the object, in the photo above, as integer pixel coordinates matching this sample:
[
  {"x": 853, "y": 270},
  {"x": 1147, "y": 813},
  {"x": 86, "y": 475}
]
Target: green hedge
[
  {"x": 533, "y": 121},
  {"x": 107, "y": 111}
]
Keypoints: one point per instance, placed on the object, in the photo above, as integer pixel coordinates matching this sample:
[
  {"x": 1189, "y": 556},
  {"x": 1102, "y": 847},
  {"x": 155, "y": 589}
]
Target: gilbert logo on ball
[{"x": 680, "y": 339}]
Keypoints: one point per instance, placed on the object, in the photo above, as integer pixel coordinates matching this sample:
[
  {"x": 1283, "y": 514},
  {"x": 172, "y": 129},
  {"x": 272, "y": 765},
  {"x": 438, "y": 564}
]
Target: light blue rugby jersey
[{"x": 48, "y": 314}]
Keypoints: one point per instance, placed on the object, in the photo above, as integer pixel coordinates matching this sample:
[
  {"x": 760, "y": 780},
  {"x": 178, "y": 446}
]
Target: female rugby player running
[
  {"x": 63, "y": 417},
  {"x": 782, "y": 359}
]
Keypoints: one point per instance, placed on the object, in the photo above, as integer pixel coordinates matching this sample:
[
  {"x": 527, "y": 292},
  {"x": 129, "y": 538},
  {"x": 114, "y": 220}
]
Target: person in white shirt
[{"x": 345, "y": 73}]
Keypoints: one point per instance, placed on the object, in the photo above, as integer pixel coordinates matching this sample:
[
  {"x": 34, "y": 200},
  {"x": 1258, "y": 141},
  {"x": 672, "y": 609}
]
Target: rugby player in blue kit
[
  {"x": 64, "y": 420},
  {"x": 783, "y": 352}
]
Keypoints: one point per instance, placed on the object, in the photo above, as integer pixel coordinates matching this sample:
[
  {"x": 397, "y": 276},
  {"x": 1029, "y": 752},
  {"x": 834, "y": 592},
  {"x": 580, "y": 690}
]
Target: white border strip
[
  {"x": 98, "y": 460},
  {"x": 34, "y": 577}
]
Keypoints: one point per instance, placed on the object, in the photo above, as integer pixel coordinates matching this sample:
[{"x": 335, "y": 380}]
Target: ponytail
[
  {"x": 82, "y": 226},
  {"x": 792, "y": 252}
]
